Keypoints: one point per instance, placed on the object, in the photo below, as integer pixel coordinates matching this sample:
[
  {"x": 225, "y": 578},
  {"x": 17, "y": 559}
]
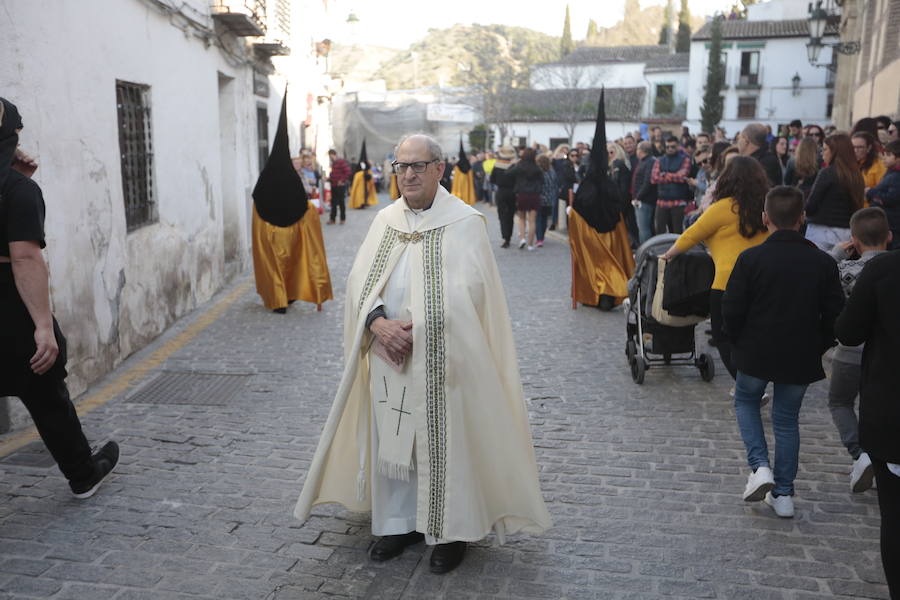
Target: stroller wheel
[
  {"x": 638, "y": 369},
  {"x": 630, "y": 351},
  {"x": 707, "y": 367}
]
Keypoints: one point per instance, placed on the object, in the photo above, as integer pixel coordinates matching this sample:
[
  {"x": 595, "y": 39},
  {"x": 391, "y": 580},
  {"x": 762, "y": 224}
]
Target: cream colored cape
[{"x": 475, "y": 462}]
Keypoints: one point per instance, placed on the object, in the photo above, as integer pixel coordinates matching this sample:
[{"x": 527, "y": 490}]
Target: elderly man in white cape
[{"x": 428, "y": 430}]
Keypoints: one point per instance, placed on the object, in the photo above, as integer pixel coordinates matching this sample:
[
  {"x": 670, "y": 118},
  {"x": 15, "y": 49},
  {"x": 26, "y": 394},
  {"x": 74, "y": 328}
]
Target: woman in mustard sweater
[{"x": 731, "y": 224}]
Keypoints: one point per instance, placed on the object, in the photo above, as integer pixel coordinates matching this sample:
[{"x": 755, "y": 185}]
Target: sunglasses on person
[{"x": 671, "y": 146}]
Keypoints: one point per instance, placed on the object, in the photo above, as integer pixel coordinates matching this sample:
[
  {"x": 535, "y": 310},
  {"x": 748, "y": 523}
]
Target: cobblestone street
[{"x": 643, "y": 482}]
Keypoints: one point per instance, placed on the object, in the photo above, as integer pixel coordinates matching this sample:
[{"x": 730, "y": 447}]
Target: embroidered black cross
[
  {"x": 385, "y": 392},
  {"x": 400, "y": 411}
]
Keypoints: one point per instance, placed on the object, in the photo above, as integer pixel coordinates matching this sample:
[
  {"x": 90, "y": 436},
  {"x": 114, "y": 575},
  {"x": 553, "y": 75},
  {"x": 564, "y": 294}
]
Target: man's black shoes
[
  {"x": 393, "y": 545},
  {"x": 446, "y": 557},
  {"x": 104, "y": 462}
]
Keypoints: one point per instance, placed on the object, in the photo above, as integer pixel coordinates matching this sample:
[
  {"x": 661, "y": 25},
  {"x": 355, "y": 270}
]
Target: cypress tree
[
  {"x": 683, "y": 41},
  {"x": 711, "y": 110},
  {"x": 566, "y": 45},
  {"x": 666, "y": 31}
]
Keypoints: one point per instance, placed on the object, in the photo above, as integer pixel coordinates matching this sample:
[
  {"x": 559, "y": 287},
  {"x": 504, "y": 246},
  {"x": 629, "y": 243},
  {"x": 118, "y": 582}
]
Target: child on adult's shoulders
[{"x": 887, "y": 193}]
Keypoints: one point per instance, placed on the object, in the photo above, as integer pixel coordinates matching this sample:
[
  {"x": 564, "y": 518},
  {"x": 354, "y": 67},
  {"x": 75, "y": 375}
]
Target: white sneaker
[
  {"x": 522, "y": 243},
  {"x": 782, "y": 505},
  {"x": 862, "y": 474},
  {"x": 530, "y": 248},
  {"x": 758, "y": 484}
]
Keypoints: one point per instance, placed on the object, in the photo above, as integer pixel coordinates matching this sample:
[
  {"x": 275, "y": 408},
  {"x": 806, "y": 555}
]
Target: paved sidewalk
[{"x": 643, "y": 482}]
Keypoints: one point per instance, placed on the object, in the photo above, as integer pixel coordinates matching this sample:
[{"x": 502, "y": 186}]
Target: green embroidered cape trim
[
  {"x": 388, "y": 240},
  {"x": 435, "y": 378}
]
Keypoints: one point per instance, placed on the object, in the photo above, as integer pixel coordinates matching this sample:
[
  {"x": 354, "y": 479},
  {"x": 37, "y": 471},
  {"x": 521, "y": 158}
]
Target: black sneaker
[{"x": 105, "y": 461}]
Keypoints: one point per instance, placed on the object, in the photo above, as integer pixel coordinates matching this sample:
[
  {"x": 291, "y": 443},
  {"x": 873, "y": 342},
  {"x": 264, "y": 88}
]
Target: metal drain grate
[
  {"x": 210, "y": 389},
  {"x": 34, "y": 454}
]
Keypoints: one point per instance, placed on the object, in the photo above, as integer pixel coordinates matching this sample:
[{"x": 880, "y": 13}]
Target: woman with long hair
[
  {"x": 529, "y": 182},
  {"x": 803, "y": 166},
  {"x": 620, "y": 171},
  {"x": 837, "y": 193},
  {"x": 816, "y": 133},
  {"x": 731, "y": 224},
  {"x": 779, "y": 147},
  {"x": 721, "y": 153},
  {"x": 865, "y": 150}
]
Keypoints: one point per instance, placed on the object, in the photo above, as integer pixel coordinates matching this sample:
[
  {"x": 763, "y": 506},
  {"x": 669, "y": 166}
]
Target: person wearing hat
[{"x": 505, "y": 195}]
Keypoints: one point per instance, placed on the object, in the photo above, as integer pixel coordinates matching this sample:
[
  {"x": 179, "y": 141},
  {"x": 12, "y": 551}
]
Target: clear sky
[{"x": 398, "y": 23}]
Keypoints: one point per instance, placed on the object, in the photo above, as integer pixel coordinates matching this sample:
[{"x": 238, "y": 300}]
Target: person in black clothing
[
  {"x": 803, "y": 166},
  {"x": 505, "y": 196},
  {"x": 620, "y": 171},
  {"x": 32, "y": 346},
  {"x": 838, "y": 192},
  {"x": 752, "y": 142},
  {"x": 529, "y": 183},
  {"x": 779, "y": 308},
  {"x": 644, "y": 191},
  {"x": 872, "y": 317},
  {"x": 478, "y": 172}
]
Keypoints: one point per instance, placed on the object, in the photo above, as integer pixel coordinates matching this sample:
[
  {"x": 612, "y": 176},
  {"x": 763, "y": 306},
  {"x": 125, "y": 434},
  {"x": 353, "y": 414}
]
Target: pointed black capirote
[
  {"x": 363, "y": 157},
  {"x": 463, "y": 163},
  {"x": 279, "y": 196},
  {"x": 598, "y": 200}
]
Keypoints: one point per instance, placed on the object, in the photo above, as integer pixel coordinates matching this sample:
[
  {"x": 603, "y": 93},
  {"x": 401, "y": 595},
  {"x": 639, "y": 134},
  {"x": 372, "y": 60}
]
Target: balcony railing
[{"x": 245, "y": 18}]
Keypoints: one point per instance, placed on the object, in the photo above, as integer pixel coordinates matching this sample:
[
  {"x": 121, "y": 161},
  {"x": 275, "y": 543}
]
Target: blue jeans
[
  {"x": 543, "y": 213},
  {"x": 644, "y": 214},
  {"x": 748, "y": 391}
]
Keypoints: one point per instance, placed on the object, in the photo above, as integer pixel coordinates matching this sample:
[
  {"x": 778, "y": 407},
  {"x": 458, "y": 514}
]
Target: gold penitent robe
[
  {"x": 289, "y": 262},
  {"x": 473, "y": 456},
  {"x": 362, "y": 192},
  {"x": 463, "y": 186},
  {"x": 602, "y": 262},
  {"x": 394, "y": 190}
]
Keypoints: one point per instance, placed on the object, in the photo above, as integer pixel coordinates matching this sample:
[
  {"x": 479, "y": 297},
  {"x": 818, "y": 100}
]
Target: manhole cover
[
  {"x": 190, "y": 388},
  {"x": 32, "y": 455}
]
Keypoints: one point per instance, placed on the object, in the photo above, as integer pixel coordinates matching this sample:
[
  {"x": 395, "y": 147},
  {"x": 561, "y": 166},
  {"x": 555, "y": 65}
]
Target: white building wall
[
  {"x": 114, "y": 291},
  {"x": 780, "y": 59}
]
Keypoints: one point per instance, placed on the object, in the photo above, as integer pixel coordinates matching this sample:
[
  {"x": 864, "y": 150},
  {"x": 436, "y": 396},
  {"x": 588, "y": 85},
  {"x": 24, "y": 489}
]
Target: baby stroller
[{"x": 650, "y": 341}]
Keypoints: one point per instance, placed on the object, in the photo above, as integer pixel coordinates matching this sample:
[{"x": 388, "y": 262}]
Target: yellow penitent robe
[
  {"x": 362, "y": 192},
  {"x": 602, "y": 262},
  {"x": 463, "y": 186},
  {"x": 394, "y": 190},
  {"x": 289, "y": 263},
  {"x": 475, "y": 465}
]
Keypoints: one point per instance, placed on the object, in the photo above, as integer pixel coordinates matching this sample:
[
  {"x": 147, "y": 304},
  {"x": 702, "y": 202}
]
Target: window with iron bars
[{"x": 136, "y": 152}]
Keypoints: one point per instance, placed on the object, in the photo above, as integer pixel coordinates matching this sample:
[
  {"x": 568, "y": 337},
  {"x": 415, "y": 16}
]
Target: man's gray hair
[
  {"x": 756, "y": 134},
  {"x": 645, "y": 147},
  {"x": 433, "y": 147}
]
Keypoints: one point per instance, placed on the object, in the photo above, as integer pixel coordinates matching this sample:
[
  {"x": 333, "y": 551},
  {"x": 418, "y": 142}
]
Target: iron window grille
[
  {"x": 747, "y": 107},
  {"x": 136, "y": 151}
]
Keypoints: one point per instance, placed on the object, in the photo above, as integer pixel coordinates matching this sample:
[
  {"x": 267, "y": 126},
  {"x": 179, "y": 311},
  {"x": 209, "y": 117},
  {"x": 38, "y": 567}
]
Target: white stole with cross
[{"x": 395, "y": 396}]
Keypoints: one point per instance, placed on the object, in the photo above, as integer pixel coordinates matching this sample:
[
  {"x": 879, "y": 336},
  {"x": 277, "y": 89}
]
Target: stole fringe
[{"x": 393, "y": 470}]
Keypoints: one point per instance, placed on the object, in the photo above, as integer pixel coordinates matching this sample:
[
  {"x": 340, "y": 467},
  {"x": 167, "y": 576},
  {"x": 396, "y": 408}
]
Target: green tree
[
  {"x": 683, "y": 41},
  {"x": 711, "y": 110},
  {"x": 566, "y": 45},
  {"x": 591, "y": 30},
  {"x": 665, "y": 31}
]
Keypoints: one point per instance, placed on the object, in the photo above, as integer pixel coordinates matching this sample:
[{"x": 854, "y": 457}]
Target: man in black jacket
[
  {"x": 872, "y": 317},
  {"x": 752, "y": 142},
  {"x": 778, "y": 310},
  {"x": 644, "y": 191}
]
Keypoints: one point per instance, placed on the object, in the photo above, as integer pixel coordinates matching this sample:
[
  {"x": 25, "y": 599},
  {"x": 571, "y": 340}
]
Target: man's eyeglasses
[
  {"x": 671, "y": 147},
  {"x": 417, "y": 167}
]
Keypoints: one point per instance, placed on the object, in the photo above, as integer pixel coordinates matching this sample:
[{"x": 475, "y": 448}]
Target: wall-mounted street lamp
[
  {"x": 795, "y": 84},
  {"x": 818, "y": 21}
]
